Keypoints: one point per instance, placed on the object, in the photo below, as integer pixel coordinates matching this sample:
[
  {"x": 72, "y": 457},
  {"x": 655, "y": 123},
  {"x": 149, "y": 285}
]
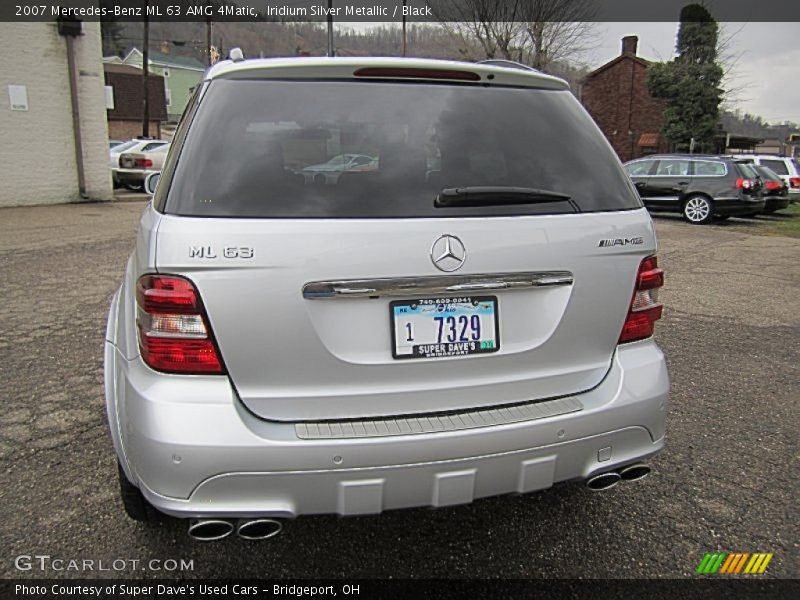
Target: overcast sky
[{"x": 765, "y": 60}]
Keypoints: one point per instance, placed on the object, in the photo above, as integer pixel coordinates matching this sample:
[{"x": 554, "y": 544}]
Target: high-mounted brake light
[
  {"x": 644, "y": 310},
  {"x": 174, "y": 334},
  {"x": 414, "y": 73}
]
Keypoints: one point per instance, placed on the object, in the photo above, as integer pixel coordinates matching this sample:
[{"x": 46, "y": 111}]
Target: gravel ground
[{"x": 727, "y": 480}]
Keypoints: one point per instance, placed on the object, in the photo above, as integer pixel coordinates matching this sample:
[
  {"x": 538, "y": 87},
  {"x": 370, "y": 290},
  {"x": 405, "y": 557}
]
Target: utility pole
[
  {"x": 404, "y": 28},
  {"x": 330, "y": 29},
  {"x": 145, "y": 73}
]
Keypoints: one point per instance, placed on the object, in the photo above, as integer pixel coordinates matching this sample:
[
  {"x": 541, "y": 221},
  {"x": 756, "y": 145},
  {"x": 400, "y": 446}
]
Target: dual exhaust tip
[
  {"x": 609, "y": 479},
  {"x": 211, "y": 530}
]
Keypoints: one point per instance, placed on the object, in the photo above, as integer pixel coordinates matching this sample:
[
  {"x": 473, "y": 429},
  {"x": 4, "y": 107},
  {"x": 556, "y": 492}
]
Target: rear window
[
  {"x": 709, "y": 168},
  {"x": 125, "y": 145},
  {"x": 152, "y": 146},
  {"x": 778, "y": 166},
  {"x": 290, "y": 149},
  {"x": 747, "y": 170},
  {"x": 767, "y": 173}
]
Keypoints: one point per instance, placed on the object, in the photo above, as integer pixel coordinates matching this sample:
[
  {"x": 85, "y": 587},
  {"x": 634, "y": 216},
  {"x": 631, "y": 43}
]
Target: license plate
[{"x": 442, "y": 327}]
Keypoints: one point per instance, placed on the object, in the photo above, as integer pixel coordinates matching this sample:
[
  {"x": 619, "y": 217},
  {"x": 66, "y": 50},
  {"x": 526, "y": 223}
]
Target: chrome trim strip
[
  {"x": 424, "y": 286},
  {"x": 437, "y": 422}
]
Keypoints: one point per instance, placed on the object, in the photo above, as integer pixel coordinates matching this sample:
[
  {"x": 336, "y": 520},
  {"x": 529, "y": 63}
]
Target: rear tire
[
  {"x": 698, "y": 210},
  {"x": 136, "y": 507}
]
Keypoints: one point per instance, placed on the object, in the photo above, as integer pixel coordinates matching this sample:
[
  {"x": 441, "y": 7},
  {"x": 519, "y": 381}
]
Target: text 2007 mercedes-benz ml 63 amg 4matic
[{"x": 462, "y": 306}]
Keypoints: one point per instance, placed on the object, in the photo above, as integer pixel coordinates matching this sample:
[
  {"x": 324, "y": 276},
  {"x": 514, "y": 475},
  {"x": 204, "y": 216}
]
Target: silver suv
[{"x": 471, "y": 315}]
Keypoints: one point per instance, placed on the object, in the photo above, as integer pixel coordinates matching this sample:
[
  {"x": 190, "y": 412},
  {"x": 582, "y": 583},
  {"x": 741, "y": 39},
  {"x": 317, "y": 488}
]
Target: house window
[{"x": 109, "y": 97}]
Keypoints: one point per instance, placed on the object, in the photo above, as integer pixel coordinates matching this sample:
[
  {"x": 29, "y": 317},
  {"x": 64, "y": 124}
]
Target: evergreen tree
[{"x": 690, "y": 83}]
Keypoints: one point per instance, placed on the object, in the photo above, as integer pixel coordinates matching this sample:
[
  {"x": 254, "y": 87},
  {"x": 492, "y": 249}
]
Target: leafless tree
[
  {"x": 481, "y": 28},
  {"x": 535, "y": 32},
  {"x": 735, "y": 87}
]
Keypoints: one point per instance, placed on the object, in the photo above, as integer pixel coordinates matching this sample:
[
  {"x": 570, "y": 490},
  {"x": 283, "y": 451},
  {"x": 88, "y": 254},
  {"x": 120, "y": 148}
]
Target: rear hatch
[{"x": 330, "y": 298}]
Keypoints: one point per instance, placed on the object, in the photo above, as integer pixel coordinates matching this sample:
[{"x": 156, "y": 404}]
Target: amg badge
[{"x": 634, "y": 241}]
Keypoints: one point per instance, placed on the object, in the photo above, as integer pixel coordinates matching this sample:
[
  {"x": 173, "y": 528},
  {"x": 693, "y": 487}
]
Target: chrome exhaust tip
[
  {"x": 259, "y": 529},
  {"x": 603, "y": 481},
  {"x": 210, "y": 530},
  {"x": 634, "y": 472}
]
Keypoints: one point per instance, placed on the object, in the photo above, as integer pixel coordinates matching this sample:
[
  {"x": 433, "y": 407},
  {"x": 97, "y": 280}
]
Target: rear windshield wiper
[{"x": 497, "y": 195}]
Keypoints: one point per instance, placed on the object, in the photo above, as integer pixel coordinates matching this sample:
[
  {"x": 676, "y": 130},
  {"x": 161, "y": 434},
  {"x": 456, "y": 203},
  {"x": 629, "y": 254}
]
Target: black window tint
[
  {"x": 776, "y": 165},
  {"x": 368, "y": 149}
]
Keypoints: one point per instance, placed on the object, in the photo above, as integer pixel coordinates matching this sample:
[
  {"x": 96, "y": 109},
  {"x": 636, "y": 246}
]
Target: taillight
[
  {"x": 644, "y": 310},
  {"x": 144, "y": 163},
  {"x": 745, "y": 184},
  {"x": 794, "y": 182},
  {"x": 174, "y": 334},
  {"x": 773, "y": 185}
]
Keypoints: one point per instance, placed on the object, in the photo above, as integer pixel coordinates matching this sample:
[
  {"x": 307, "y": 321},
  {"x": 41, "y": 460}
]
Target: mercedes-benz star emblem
[{"x": 448, "y": 253}]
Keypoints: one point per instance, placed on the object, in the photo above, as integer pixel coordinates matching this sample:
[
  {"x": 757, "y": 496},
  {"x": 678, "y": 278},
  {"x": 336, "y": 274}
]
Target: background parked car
[
  {"x": 130, "y": 146},
  {"x": 134, "y": 167},
  {"x": 330, "y": 170},
  {"x": 775, "y": 189},
  {"x": 788, "y": 168},
  {"x": 697, "y": 186}
]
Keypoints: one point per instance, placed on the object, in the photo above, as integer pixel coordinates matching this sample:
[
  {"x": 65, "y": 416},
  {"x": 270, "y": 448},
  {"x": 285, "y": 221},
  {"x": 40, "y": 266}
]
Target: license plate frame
[{"x": 451, "y": 349}]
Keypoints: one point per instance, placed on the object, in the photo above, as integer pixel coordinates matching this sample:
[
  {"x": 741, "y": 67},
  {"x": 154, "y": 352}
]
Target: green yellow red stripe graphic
[{"x": 734, "y": 563}]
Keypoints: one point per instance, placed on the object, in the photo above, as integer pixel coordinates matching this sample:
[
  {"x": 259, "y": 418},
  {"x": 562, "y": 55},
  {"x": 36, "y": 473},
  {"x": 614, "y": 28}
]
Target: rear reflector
[
  {"x": 644, "y": 310},
  {"x": 174, "y": 334},
  {"x": 411, "y": 73}
]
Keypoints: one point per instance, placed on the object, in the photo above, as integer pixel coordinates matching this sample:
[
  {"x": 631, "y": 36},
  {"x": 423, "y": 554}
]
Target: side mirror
[{"x": 151, "y": 182}]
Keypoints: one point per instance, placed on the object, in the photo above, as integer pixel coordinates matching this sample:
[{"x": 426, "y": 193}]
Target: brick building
[
  {"x": 616, "y": 96},
  {"x": 53, "y": 119},
  {"x": 125, "y": 101}
]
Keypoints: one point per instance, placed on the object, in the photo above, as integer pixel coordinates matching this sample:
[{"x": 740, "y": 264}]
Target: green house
[{"x": 181, "y": 74}]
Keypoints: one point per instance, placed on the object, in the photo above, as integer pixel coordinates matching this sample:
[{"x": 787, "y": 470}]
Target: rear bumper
[
  {"x": 194, "y": 451},
  {"x": 738, "y": 206},
  {"x": 776, "y": 202},
  {"x": 131, "y": 176}
]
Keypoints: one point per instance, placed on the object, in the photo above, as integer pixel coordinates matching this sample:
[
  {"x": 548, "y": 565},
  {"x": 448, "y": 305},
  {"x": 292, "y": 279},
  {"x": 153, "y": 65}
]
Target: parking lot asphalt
[{"x": 727, "y": 481}]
